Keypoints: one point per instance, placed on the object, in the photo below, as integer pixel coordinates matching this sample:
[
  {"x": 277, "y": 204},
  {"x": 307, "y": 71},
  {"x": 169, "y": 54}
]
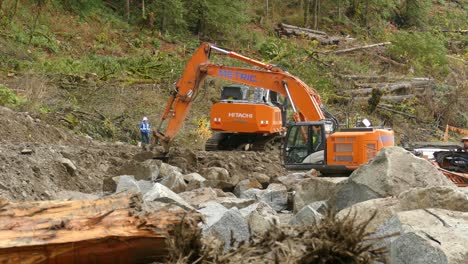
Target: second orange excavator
[{"x": 312, "y": 141}]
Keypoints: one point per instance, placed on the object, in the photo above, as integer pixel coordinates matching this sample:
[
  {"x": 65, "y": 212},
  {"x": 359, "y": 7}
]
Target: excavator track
[{"x": 243, "y": 141}]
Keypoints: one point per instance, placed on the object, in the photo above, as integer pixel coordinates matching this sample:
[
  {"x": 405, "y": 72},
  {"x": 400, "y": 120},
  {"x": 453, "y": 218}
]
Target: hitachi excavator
[{"x": 312, "y": 141}]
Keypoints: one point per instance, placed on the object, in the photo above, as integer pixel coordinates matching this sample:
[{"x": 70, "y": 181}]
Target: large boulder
[
  {"x": 183, "y": 158},
  {"x": 262, "y": 178},
  {"x": 199, "y": 196},
  {"x": 314, "y": 189},
  {"x": 434, "y": 197},
  {"x": 127, "y": 183},
  {"x": 251, "y": 193},
  {"x": 417, "y": 198},
  {"x": 276, "y": 196},
  {"x": 260, "y": 217},
  {"x": 306, "y": 216},
  {"x": 161, "y": 193},
  {"x": 246, "y": 184},
  {"x": 171, "y": 177},
  {"x": 291, "y": 180},
  {"x": 227, "y": 225},
  {"x": 194, "y": 181},
  {"x": 147, "y": 170},
  {"x": 380, "y": 209},
  {"x": 393, "y": 171},
  {"x": 217, "y": 177},
  {"x": 426, "y": 236}
]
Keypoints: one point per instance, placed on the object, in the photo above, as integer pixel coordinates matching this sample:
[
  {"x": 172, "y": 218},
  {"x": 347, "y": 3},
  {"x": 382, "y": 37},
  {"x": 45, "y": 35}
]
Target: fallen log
[
  {"x": 388, "y": 98},
  {"x": 300, "y": 29},
  {"x": 358, "y": 48},
  {"x": 115, "y": 229},
  {"x": 406, "y": 87},
  {"x": 320, "y": 36},
  {"x": 395, "y": 111}
]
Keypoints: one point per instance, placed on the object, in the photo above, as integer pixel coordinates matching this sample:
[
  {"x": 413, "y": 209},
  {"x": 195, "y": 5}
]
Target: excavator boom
[{"x": 305, "y": 101}]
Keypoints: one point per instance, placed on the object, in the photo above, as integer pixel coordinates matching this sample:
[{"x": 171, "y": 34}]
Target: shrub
[
  {"x": 9, "y": 98},
  {"x": 424, "y": 51}
]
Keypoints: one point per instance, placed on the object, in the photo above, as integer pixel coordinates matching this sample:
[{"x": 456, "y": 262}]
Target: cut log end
[{"x": 109, "y": 230}]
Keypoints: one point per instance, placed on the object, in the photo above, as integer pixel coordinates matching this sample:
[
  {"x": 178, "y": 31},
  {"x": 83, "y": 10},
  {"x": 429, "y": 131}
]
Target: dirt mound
[
  {"x": 21, "y": 127},
  {"x": 38, "y": 160},
  {"x": 32, "y": 171},
  {"x": 239, "y": 163}
]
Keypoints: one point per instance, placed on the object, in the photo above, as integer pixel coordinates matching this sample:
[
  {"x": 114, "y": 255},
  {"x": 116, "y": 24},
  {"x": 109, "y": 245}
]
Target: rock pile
[{"x": 403, "y": 193}]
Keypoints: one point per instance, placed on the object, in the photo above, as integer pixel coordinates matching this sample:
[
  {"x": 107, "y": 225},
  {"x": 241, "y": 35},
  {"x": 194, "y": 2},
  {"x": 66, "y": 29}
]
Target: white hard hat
[{"x": 145, "y": 118}]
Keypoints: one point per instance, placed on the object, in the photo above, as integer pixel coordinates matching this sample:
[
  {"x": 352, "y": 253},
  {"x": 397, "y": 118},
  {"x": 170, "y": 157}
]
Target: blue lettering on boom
[{"x": 237, "y": 75}]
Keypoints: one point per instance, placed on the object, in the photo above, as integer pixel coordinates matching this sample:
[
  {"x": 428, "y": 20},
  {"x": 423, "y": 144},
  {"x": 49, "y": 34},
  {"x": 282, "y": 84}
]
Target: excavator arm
[{"x": 305, "y": 101}]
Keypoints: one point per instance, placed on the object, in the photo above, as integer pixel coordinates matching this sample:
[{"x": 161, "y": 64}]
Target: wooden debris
[
  {"x": 115, "y": 229},
  {"x": 322, "y": 37},
  {"x": 386, "y": 98},
  {"x": 359, "y": 48}
]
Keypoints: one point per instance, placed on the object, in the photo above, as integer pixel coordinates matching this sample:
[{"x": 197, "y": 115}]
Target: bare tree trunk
[
  {"x": 143, "y": 11},
  {"x": 339, "y": 9},
  {"x": 127, "y": 10},
  {"x": 306, "y": 12}
]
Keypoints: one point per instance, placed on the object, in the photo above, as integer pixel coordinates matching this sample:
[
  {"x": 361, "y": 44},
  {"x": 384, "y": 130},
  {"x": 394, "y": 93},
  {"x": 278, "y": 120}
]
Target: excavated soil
[{"x": 35, "y": 157}]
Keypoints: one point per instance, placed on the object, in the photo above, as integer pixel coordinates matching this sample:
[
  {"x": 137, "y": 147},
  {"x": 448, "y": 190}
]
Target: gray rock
[
  {"x": 426, "y": 236},
  {"x": 260, "y": 217},
  {"x": 251, "y": 193},
  {"x": 320, "y": 206},
  {"x": 212, "y": 211},
  {"x": 199, "y": 196},
  {"x": 306, "y": 216},
  {"x": 161, "y": 193},
  {"x": 393, "y": 171},
  {"x": 217, "y": 177},
  {"x": 144, "y": 186},
  {"x": 172, "y": 178},
  {"x": 415, "y": 248},
  {"x": 314, "y": 189},
  {"x": 147, "y": 170},
  {"x": 71, "y": 168},
  {"x": 276, "y": 195},
  {"x": 246, "y": 184},
  {"x": 384, "y": 208},
  {"x": 126, "y": 183},
  {"x": 262, "y": 178},
  {"x": 417, "y": 198},
  {"x": 230, "y": 228},
  {"x": 434, "y": 197},
  {"x": 291, "y": 179},
  {"x": 230, "y": 202},
  {"x": 26, "y": 151},
  {"x": 194, "y": 181}
]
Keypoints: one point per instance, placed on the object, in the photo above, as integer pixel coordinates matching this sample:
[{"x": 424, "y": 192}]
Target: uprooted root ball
[{"x": 333, "y": 240}]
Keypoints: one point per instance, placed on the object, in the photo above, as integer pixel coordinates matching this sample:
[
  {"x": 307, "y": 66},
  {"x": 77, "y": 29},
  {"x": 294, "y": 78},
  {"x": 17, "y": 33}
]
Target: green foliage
[
  {"x": 169, "y": 15},
  {"x": 214, "y": 18},
  {"x": 272, "y": 48},
  {"x": 415, "y": 13},
  {"x": 9, "y": 98},
  {"x": 424, "y": 51}
]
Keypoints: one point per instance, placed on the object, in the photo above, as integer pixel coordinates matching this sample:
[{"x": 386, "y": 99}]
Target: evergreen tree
[
  {"x": 210, "y": 17},
  {"x": 169, "y": 15}
]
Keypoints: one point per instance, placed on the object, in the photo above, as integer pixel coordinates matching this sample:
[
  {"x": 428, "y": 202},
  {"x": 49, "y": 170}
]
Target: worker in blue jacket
[{"x": 145, "y": 129}]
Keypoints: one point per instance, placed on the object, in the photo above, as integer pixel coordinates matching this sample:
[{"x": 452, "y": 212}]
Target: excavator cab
[
  {"x": 235, "y": 93},
  {"x": 305, "y": 143},
  {"x": 314, "y": 145}
]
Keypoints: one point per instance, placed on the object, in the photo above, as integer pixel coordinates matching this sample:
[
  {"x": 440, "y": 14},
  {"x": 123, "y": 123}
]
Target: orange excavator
[{"x": 312, "y": 141}]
